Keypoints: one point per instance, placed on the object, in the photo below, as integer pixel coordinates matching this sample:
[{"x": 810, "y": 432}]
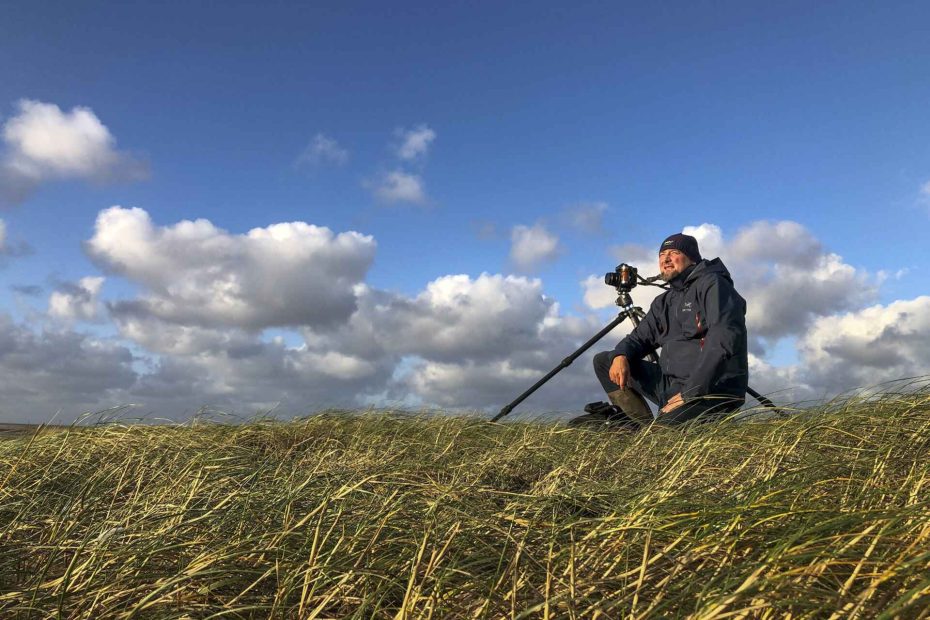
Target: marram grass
[{"x": 824, "y": 514}]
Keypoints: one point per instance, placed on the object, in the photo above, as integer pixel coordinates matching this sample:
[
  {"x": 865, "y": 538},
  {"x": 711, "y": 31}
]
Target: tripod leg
[
  {"x": 637, "y": 315},
  {"x": 765, "y": 402},
  {"x": 564, "y": 364}
]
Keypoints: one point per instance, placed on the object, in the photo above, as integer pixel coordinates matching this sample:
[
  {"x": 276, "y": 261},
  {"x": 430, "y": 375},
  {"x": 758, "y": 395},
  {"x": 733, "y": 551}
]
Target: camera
[{"x": 623, "y": 277}]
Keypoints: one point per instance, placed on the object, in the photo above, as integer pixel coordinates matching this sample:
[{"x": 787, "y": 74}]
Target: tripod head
[{"x": 624, "y": 278}]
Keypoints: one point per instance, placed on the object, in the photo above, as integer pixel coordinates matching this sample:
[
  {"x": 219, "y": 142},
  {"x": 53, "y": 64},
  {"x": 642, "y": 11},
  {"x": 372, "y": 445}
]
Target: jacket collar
[{"x": 679, "y": 282}]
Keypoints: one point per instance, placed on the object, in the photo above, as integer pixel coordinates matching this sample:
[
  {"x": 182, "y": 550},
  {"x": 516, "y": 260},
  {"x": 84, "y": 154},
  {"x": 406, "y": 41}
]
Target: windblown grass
[{"x": 820, "y": 515}]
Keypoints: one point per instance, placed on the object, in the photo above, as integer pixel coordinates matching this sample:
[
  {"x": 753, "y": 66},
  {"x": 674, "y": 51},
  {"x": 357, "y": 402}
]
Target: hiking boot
[
  {"x": 602, "y": 416},
  {"x": 631, "y": 403}
]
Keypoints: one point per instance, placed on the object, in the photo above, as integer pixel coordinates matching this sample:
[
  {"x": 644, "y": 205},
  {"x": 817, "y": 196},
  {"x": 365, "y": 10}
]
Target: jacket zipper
[{"x": 697, "y": 319}]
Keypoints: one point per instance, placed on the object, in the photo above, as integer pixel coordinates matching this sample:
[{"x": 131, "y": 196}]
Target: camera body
[{"x": 622, "y": 278}]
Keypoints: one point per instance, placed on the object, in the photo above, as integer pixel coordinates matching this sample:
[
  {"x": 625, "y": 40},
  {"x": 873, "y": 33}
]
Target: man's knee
[{"x": 603, "y": 360}]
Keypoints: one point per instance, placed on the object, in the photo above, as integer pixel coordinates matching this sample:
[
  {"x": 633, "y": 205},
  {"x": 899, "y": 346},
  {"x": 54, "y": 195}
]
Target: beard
[{"x": 668, "y": 276}]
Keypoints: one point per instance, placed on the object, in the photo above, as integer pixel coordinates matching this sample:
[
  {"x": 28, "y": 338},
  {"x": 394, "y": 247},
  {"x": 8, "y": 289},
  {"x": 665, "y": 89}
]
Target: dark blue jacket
[{"x": 700, "y": 324}]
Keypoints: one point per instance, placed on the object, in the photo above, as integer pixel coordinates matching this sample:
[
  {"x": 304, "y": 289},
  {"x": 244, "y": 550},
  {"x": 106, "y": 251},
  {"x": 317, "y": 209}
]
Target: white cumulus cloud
[
  {"x": 414, "y": 142},
  {"x": 879, "y": 347},
  {"x": 399, "y": 186},
  {"x": 596, "y": 294},
  {"x": 193, "y": 273},
  {"x": 459, "y": 316},
  {"x": 709, "y": 238},
  {"x": 44, "y": 143},
  {"x": 868, "y": 346},
  {"x": 789, "y": 279},
  {"x": 531, "y": 246},
  {"x": 476, "y": 342},
  {"x": 78, "y": 301},
  {"x": 324, "y": 150}
]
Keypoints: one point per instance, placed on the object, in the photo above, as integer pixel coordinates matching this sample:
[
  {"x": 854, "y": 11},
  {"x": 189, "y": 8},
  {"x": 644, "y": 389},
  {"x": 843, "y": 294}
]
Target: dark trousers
[{"x": 647, "y": 379}]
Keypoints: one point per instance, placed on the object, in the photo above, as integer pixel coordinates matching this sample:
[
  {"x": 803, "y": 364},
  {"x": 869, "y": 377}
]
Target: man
[{"x": 700, "y": 324}]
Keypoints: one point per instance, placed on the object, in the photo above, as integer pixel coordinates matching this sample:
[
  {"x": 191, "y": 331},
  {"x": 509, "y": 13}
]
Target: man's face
[{"x": 672, "y": 263}]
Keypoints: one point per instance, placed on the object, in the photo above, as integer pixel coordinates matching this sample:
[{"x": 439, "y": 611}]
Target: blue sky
[{"x": 656, "y": 117}]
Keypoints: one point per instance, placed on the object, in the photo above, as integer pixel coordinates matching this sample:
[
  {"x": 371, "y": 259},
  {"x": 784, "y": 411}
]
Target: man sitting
[{"x": 700, "y": 324}]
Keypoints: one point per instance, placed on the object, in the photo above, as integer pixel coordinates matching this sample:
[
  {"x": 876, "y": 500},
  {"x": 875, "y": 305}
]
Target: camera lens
[{"x": 624, "y": 275}]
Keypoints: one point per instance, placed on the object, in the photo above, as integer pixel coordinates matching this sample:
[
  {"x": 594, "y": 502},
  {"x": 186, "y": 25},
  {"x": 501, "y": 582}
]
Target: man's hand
[
  {"x": 620, "y": 371},
  {"x": 673, "y": 403}
]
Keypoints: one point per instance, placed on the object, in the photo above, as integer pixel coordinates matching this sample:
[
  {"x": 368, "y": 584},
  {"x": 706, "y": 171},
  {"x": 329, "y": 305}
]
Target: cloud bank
[{"x": 283, "y": 317}]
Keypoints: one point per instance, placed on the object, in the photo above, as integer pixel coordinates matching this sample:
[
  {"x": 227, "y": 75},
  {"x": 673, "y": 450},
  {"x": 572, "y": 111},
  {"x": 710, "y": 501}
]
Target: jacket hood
[
  {"x": 705, "y": 267},
  {"x": 709, "y": 266}
]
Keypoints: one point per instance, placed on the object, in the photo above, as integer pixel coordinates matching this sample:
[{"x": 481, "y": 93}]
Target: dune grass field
[{"x": 821, "y": 514}]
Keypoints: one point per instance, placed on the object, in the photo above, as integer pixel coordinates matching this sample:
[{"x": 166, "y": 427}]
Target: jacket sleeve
[
  {"x": 644, "y": 338},
  {"x": 724, "y": 314}
]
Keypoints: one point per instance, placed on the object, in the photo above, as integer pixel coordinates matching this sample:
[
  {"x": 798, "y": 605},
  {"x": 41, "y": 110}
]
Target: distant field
[
  {"x": 18, "y": 429},
  {"x": 820, "y": 515}
]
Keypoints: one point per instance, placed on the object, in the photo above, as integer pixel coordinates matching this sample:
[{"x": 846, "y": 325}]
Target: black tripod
[{"x": 626, "y": 280}]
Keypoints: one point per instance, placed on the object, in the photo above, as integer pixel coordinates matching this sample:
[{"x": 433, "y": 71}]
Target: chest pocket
[{"x": 690, "y": 321}]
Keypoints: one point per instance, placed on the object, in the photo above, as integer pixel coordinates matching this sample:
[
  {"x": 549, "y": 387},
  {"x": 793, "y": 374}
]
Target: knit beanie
[{"x": 686, "y": 244}]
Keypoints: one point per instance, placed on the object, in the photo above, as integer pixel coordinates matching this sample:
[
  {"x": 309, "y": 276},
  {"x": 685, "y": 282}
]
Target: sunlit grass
[{"x": 817, "y": 515}]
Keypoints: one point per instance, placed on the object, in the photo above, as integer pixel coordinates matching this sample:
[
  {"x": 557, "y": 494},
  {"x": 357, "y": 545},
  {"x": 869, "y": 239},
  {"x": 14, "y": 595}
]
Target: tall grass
[{"x": 824, "y": 514}]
